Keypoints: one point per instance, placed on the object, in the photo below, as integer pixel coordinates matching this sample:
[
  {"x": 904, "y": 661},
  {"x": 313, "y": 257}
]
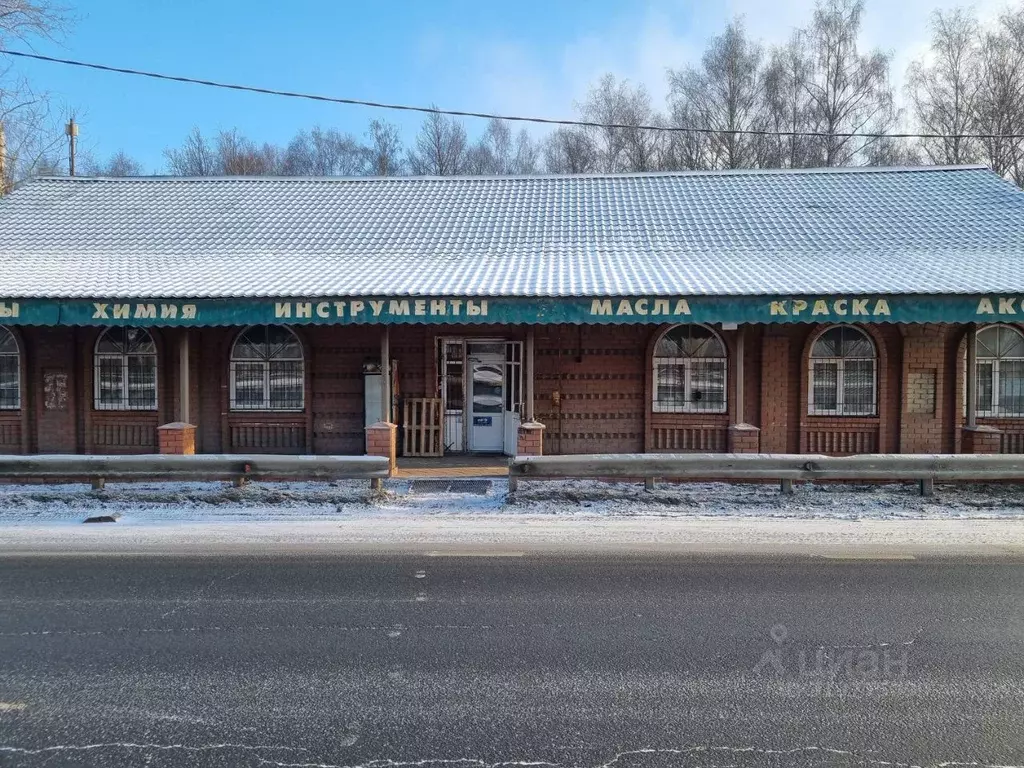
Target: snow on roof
[{"x": 942, "y": 230}]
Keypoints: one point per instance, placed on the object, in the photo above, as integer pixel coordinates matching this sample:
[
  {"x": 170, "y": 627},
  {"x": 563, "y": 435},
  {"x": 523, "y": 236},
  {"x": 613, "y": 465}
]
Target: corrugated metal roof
[{"x": 850, "y": 231}]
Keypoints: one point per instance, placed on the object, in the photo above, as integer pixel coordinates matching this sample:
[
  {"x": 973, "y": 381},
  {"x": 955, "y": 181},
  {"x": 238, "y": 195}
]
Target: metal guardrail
[
  {"x": 236, "y": 467},
  {"x": 783, "y": 468}
]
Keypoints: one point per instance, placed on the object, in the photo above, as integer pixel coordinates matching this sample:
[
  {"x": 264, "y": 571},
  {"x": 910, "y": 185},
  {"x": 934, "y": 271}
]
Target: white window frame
[
  {"x": 17, "y": 361},
  {"x": 265, "y": 406},
  {"x": 840, "y": 362},
  {"x": 689, "y": 405},
  {"x": 995, "y": 411},
  {"x": 123, "y": 404}
]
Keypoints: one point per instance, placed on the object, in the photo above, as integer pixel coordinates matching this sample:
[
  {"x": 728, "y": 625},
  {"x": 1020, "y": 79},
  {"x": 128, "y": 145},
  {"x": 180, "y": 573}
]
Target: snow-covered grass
[{"x": 147, "y": 503}]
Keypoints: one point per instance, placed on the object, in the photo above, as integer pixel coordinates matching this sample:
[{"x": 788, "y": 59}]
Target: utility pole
[{"x": 71, "y": 131}]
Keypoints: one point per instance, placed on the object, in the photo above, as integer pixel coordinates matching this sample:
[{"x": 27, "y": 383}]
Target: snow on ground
[{"x": 154, "y": 503}]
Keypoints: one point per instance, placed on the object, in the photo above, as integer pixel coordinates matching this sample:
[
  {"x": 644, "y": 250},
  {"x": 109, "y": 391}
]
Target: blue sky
[{"x": 528, "y": 56}]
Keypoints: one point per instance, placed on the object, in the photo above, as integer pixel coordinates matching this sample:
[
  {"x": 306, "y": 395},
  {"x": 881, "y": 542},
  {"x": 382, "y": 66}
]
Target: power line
[{"x": 511, "y": 118}]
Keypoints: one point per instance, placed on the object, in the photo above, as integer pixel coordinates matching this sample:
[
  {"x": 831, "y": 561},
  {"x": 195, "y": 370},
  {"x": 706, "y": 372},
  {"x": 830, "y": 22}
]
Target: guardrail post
[
  {"x": 649, "y": 483},
  {"x": 927, "y": 486},
  {"x": 98, "y": 483},
  {"x": 786, "y": 487}
]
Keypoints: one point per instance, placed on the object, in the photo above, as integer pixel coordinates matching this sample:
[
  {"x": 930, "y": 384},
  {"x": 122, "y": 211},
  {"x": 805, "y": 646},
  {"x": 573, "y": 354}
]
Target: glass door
[{"x": 486, "y": 406}]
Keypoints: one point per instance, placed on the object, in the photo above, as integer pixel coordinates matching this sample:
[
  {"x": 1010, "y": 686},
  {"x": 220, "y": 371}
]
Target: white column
[
  {"x": 183, "y": 378},
  {"x": 385, "y": 374},
  {"x": 972, "y": 375},
  {"x": 528, "y": 415}
]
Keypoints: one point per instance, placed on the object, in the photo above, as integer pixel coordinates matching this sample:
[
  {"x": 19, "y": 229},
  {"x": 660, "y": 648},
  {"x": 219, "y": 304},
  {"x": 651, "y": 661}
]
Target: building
[{"x": 819, "y": 311}]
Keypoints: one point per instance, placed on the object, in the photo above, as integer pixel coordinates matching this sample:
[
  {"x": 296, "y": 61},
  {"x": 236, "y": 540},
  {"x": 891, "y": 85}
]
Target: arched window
[
  {"x": 1000, "y": 371},
  {"x": 10, "y": 371},
  {"x": 125, "y": 370},
  {"x": 689, "y": 371},
  {"x": 267, "y": 370},
  {"x": 843, "y": 374}
]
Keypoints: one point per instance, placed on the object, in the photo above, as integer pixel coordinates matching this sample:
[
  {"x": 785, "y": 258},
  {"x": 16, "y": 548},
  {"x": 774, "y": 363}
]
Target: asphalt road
[{"x": 478, "y": 661}]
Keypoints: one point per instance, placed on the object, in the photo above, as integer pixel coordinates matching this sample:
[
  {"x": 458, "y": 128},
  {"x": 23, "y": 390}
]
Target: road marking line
[
  {"x": 870, "y": 557},
  {"x": 475, "y": 554},
  {"x": 11, "y": 706}
]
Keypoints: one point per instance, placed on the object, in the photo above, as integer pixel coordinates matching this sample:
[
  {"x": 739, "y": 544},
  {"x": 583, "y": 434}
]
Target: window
[
  {"x": 689, "y": 371},
  {"x": 124, "y": 370},
  {"x": 267, "y": 370},
  {"x": 842, "y": 374},
  {"x": 10, "y": 371},
  {"x": 1000, "y": 371}
]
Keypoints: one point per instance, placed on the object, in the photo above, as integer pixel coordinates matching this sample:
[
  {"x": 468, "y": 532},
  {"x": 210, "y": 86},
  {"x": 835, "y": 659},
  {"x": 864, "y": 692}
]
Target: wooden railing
[
  {"x": 1011, "y": 442},
  {"x": 841, "y": 440},
  {"x": 123, "y": 435},
  {"x": 422, "y": 427},
  {"x": 268, "y": 437},
  {"x": 703, "y": 439}
]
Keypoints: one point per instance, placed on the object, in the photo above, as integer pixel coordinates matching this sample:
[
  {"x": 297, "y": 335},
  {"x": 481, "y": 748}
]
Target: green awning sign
[{"x": 538, "y": 311}]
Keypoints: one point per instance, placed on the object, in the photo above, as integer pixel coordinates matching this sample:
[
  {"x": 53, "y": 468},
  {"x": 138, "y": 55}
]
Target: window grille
[
  {"x": 10, "y": 371},
  {"x": 125, "y": 370},
  {"x": 843, "y": 374},
  {"x": 690, "y": 371},
  {"x": 1000, "y": 371},
  {"x": 267, "y": 370}
]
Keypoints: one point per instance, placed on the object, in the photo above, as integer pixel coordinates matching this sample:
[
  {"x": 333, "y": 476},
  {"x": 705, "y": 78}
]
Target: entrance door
[{"x": 486, "y": 396}]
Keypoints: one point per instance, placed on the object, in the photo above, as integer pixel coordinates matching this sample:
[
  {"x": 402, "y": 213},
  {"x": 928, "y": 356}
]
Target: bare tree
[
  {"x": 622, "y": 144},
  {"x": 117, "y": 165},
  {"x": 724, "y": 94},
  {"x": 441, "y": 147},
  {"x": 1000, "y": 100},
  {"x": 325, "y": 152},
  {"x": 385, "y": 149},
  {"x": 32, "y": 134},
  {"x": 240, "y": 156},
  {"x": 570, "y": 150},
  {"x": 499, "y": 152},
  {"x": 945, "y": 93},
  {"x": 229, "y": 154},
  {"x": 527, "y": 153},
  {"x": 196, "y": 157},
  {"x": 786, "y": 109},
  {"x": 847, "y": 92}
]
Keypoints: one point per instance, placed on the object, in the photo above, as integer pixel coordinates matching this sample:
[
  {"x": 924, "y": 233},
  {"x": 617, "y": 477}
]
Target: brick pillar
[
  {"x": 530, "y": 441},
  {"x": 744, "y": 438},
  {"x": 177, "y": 438},
  {"x": 980, "y": 439},
  {"x": 382, "y": 440},
  {"x": 922, "y": 419}
]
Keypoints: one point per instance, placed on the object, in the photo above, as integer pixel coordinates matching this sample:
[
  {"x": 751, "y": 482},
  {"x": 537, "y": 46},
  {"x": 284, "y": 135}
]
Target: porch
[{"x": 454, "y": 466}]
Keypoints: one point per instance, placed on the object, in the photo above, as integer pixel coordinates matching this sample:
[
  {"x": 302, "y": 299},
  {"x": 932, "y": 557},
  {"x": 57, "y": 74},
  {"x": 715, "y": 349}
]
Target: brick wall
[{"x": 591, "y": 389}]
